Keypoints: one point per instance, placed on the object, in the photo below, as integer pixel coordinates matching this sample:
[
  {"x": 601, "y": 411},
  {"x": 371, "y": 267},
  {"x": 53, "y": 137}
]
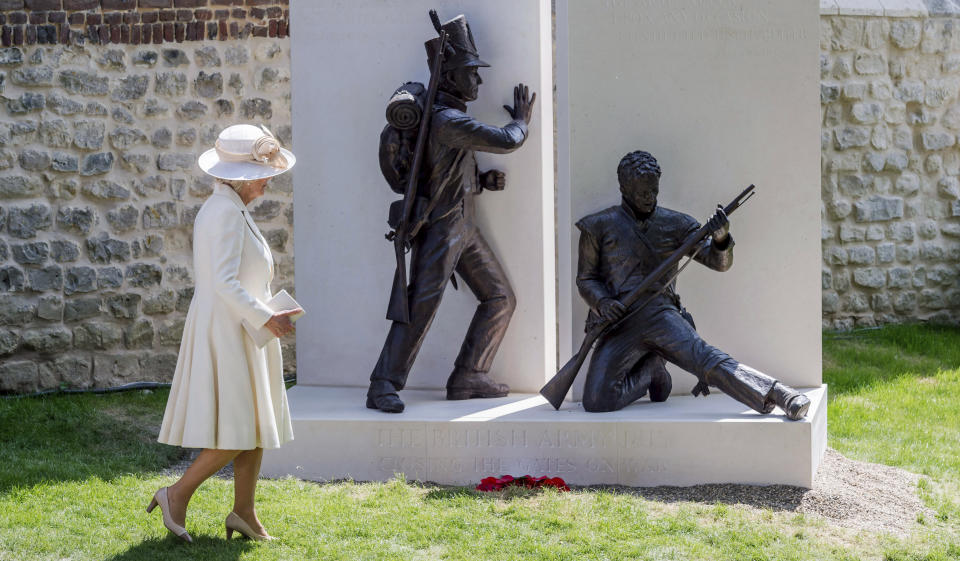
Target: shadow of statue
[
  {"x": 774, "y": 497},
  {"x": 206, "y": 548},
  {"x": 441, "y": 493}
]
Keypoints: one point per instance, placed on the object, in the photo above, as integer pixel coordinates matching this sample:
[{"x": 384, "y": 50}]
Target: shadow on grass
[
  {"x": 75, "y": 437},
  {"x": 774, "y": 497},
  {"x": 785, "y": 498},
  {"x": 856, "y": 360},
  {"x": 447, "y": 493},
  {"x": 203, "y": 548},
  {"x": 441, "y": 493}
]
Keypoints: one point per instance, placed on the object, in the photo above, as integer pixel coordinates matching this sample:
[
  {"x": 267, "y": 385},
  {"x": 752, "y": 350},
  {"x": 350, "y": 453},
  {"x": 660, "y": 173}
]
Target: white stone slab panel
[
  {"x": 724, "y": 94},
  {"x": 669, "y": 453},
  {"x": 684, "y": 441},
  {"x": 347, "y": 59},
  {"x": 860, "y": 7},
  {"x": 904, "y": 8},
  {"x": 464, "y": 451},
  {"x": 369, "y": 451}
]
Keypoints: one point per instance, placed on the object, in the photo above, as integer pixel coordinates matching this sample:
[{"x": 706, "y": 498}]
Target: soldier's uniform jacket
[
  {"x": 454, "y": 136},
  {"x": 618, "y": 250}
]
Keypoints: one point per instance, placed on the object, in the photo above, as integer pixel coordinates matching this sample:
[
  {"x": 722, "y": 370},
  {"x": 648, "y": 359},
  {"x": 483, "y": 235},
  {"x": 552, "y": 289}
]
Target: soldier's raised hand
[
  {"x": 611, "y": 309},
  {"x": 522, "y": 103},
  {"x": 719, "y": 225},
  {"x": 493, "y": 180}
]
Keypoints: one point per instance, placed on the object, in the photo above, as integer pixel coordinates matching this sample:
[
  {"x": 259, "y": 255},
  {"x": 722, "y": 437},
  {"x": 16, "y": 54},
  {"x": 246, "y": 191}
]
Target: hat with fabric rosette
[{"x": 246, "y": 152}]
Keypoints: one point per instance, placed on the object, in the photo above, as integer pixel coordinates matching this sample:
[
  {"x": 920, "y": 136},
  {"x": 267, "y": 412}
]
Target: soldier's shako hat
[{"x": 461, "y": 50}]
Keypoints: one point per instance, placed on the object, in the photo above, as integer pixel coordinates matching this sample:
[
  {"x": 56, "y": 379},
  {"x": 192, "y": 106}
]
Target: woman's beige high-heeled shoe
[
  {"x": 236, "y": 524},
  {"x": 160, "y": 498}
]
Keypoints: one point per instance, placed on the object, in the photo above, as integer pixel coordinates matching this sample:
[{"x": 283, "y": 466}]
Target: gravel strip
[
  {"x": 847, "y": 493},
  {"x": 865, "y": 496}
]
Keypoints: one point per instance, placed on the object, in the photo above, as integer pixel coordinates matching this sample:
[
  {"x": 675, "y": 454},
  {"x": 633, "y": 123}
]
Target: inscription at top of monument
[
  {"x": 508, "y": 438},
  {"x": 672, "y": 21},
  {"x": 686, "y": 12}
]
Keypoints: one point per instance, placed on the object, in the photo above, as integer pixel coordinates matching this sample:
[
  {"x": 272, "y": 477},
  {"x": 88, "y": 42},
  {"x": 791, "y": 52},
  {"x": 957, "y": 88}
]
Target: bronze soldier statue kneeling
[{"x": 619, "y": 247}]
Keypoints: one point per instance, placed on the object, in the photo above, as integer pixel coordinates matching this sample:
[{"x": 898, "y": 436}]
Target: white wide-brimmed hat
[{"x": 245, "y": 152}]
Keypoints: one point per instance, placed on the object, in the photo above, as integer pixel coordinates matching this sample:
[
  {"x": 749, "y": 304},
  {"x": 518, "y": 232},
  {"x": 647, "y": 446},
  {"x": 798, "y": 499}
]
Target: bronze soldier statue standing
[
  {"x": 619, "y": 247},
  {"x": 448, "y": 240}
]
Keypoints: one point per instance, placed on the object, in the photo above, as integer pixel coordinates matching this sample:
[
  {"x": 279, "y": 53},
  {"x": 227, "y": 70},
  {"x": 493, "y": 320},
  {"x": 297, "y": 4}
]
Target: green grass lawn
[
  {"x": 896, "y": 401},
  {"x": 77, "y": 471}
]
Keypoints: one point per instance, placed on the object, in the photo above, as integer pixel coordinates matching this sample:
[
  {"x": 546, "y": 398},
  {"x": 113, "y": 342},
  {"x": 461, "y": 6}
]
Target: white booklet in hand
[{"x": 280, "y": 302}]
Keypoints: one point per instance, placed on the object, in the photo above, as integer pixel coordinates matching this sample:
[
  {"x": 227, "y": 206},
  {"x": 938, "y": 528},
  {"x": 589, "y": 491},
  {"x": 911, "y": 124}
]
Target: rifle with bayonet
[
  {"x": 399, "y": 307},
  {"x": 556, "y": 389}
]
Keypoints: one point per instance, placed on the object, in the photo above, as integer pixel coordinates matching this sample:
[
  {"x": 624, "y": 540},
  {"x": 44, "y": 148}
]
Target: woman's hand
[{"x": 280, "y": 323}]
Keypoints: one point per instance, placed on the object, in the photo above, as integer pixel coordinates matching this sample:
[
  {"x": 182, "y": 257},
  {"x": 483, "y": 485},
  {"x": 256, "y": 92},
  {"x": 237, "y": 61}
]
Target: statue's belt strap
[
  {"x": 435, "y": 199},
  {"x": 638, "y": 232},
  {"x": 642, "y": 258}
]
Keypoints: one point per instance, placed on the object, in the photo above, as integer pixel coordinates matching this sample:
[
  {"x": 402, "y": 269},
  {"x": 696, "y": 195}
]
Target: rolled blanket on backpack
[{"x": 406, "y": 106}]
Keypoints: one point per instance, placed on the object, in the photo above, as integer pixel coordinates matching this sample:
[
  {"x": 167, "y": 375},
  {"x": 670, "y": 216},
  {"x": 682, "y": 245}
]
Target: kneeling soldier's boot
[
  {"x": 660, "y": 383},
  {"x": 793, "y": 403},
  {"x": 467, "y": 384},
  {"x": 648, "y": 375}
]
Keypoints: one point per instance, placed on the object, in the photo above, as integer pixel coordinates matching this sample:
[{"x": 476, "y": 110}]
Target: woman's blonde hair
[{"x": 237, "y": 184}]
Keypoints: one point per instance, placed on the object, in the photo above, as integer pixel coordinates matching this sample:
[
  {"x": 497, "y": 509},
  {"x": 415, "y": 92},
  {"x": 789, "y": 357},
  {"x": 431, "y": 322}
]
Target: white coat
[{"x": 227, "y": 393}]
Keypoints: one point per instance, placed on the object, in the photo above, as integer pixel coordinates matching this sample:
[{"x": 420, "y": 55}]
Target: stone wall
[
  {"x": 99, "y": 184},
  {"x": 135, "y": 22},
  {"x": 890, "y": 163}
]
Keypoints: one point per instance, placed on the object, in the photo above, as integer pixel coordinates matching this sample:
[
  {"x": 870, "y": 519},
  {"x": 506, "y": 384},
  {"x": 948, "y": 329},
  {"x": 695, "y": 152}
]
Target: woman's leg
[
  {"x": 207, "y": 463},
  {"x": 246, "y": 471}
]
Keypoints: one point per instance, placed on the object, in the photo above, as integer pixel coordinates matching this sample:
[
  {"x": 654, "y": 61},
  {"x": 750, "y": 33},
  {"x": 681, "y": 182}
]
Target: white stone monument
[
  {"x": 725, "y": 106},
  {"x": 685, "y": 441}
]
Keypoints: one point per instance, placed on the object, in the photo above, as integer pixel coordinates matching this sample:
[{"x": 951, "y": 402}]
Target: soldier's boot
[
  {"x": 660, "y": 383},
  {"x": 469, "y": 384},
  {"x": 384, "y": 398},
  {"x": 648, "y": 375},
  {"x": 793, "y": 403},
  {"x": 389, "y": 403}
]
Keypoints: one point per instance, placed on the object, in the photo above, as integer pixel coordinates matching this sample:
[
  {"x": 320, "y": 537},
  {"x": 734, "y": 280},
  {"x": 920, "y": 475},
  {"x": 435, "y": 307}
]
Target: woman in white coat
[{"x": 228, "y": 395}]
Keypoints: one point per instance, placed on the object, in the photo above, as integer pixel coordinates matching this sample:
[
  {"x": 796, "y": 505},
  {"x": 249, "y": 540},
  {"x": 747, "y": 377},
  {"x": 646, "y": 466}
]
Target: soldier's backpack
[
  {"x": 398, "y": 139},
  {"x": 398, "y": 144}
]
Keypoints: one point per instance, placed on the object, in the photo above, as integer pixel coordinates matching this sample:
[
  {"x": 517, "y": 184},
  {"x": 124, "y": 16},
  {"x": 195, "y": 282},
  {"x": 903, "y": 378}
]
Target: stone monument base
[{"x": 684, "y": 441}]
